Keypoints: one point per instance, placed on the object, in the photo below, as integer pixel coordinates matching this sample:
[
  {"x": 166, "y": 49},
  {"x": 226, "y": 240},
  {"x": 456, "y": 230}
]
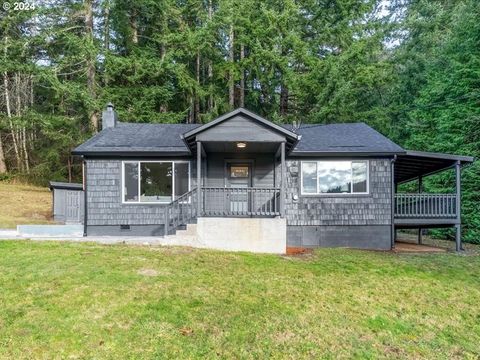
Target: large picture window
[
  {"x": 155, "y": 181},
  {"x": 334, "y": 177}
]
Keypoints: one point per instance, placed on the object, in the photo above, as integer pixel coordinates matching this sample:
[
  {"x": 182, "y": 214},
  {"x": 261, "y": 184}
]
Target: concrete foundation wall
[
  {"x": 116, "y": 230},
  {"x": 361, "y": 237},
  {"x": 243, "y": 234}
]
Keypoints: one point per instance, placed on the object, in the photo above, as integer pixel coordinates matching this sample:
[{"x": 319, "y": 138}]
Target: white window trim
[
  {"x": 138, "y": 162},
  {"x": 334, "y": 194}
]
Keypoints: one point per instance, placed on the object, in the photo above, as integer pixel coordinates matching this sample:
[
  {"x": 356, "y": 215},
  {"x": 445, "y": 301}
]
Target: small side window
[{"x": 131, "y": 182}]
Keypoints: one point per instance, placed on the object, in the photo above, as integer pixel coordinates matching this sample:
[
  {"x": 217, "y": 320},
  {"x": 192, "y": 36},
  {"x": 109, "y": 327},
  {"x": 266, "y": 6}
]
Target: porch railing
[
  {"x": 181, "y": 211},
  {"x": 439, "y": 206},
  {"x": 237, "y": 201}
]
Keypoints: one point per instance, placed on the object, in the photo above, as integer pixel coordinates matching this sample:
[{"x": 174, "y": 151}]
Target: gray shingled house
[{"x": 242, "y": 182}]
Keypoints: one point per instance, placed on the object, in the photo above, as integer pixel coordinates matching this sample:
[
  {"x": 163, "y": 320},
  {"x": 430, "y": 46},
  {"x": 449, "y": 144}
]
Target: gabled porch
[
  {"x": 240, "y": 170},
  {"x": 241, "y": 165}
]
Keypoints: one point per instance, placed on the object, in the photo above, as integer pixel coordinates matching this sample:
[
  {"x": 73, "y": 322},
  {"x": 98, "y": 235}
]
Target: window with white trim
[
  {"x": 155, "y": 181},
  {"x": 334, "y": 177}
]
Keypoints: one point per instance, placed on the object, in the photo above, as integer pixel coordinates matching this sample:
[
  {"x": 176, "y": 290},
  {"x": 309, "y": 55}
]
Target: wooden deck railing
[
  {"x": 181, "y": 211},
  {"x": 248, "y": 201},
  {"x": 439, "y": 206}
]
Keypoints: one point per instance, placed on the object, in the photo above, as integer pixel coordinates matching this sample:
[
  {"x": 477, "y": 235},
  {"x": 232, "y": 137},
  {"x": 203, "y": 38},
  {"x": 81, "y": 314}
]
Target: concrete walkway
[{"x": 7, "y": 234}]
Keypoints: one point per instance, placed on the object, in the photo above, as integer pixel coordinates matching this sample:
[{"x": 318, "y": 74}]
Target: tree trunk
[
  {"x": 90, "y": 61},
  {"x": 106, "y": 38},
  {"x": 210, "y": 67},
  {"x": 3, "y": 165},
  {"x": 22, "y": 134},
  {"x": 231, "y": 85},
  {"x": 242, "y": 77},
  {"x": 190, "y": 112},
  {"x": 284, "y": 101},
  {"x": 134, "y": 26},
  {"x": 106, "y": 26},
  {"x": 25, "y": 150},
  {"x": 196, "y": 111},
  {"x": 9, "y": 109},
  {"x": 69, "y": 168},
  {"x": 17, "y": 92}
]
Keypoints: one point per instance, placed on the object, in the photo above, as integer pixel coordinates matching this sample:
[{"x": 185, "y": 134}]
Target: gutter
[
  {"x": 343, "y": 153},
  {"x": 126, "y": 153}
]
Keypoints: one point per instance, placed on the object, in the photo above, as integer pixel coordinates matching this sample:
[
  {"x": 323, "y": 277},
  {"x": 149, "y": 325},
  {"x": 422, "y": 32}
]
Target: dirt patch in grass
[
  {"x": 148, "y": 272},
  {"x": 408, "y": 236},
  {"x": 24, "y": 204}
]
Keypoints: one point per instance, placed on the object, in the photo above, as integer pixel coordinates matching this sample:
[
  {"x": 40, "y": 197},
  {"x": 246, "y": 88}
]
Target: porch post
[
  {"x": 420, "y": 189},
  {"x": 199, "y": 178},
  {"x": 282, "y": 180},
  {"x": 458, "y": 226}
]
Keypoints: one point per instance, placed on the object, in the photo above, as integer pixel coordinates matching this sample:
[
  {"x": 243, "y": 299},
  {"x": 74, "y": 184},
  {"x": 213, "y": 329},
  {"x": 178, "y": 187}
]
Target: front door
[{"x": 238, "y": 177}]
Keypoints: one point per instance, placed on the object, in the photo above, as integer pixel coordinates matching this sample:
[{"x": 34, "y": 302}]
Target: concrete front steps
[{"x": 186, "y": 237}]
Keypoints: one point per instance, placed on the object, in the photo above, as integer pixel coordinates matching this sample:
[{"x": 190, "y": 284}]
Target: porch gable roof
[{"x": 265, "y": 131}]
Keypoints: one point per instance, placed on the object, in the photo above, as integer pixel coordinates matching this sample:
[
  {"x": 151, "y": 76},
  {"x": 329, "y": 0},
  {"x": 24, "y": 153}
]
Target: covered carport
[{"x": 425, "y": 210}]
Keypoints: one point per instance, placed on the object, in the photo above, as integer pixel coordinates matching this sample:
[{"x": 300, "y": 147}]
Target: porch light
[{"x": 241, "y": 145}]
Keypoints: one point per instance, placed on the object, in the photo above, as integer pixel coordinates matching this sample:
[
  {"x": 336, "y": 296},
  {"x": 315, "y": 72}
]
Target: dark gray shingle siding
[
  {"x": 104, "y": 197},
  {"x": 372, "y": 209},
  {"x": 105, "y": 204}
]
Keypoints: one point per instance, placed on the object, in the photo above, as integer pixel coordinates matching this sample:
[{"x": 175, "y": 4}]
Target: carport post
[
  {"x": 458, "y": 225},
  {"x": 420, "y": 189}
]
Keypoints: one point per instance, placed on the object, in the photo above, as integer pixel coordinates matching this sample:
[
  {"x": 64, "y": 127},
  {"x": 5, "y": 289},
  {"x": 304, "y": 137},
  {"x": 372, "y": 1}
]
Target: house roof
[
  {"x": 137, "y": 139},
  {"x": 340, "y": 139}
]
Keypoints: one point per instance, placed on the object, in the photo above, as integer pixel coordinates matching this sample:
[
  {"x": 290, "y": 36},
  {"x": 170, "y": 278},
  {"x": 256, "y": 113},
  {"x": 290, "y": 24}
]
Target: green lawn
[{"x": 76, "y": 301}]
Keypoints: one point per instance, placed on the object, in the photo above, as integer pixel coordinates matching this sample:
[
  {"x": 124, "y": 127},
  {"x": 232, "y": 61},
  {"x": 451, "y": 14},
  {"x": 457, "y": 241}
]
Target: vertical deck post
[
  {"x": 282, "y": 180},
  {"x": 199, "y": 178},
  {"x": 458, "y": 226},
  {"x": 420, "y": 189}
]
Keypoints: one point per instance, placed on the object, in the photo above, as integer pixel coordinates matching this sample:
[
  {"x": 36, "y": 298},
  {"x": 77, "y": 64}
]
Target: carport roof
[{"x": 412, "y": 164}]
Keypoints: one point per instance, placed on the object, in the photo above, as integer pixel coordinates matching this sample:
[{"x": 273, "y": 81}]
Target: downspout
[
  {"x": 392, "y": 219},
  {"x": 85, "y": 205}
]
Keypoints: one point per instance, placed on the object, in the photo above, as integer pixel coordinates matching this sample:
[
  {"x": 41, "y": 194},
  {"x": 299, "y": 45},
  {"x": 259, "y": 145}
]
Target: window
[
  {"x": 334, "y": 177},
  {"x": 154, "y": 181},
  {"x": 239, "y": 171}
]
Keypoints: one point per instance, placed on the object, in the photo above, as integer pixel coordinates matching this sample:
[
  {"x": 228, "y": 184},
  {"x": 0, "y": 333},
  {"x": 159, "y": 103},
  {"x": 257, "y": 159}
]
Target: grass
[
  {"x": 24, "y": 204},
  {"x": 81, "y": 300}
]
